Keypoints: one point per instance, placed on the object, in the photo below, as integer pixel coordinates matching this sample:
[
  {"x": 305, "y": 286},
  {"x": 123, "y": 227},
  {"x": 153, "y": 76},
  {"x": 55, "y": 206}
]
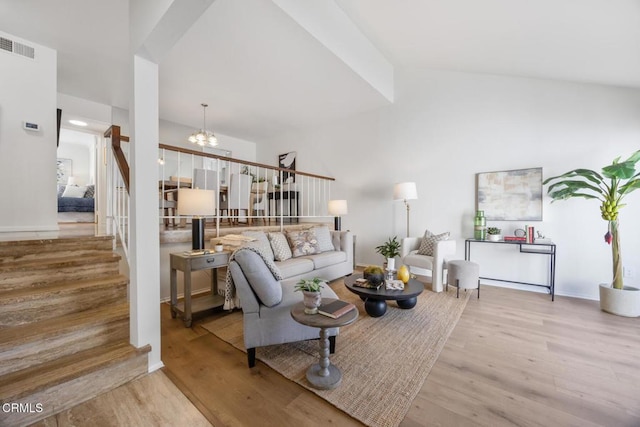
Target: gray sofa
[
  {"x": 330, "y": 264},
  {"x": 266, "y": 305}
]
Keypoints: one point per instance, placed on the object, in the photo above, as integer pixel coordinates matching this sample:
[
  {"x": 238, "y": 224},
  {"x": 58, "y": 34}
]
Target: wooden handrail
[
  {"x": 244, "y": 162},
  {"x": 114, "y": 133}
]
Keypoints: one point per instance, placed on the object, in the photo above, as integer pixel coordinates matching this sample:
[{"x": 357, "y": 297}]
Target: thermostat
[{"x": 31, "y": 126}]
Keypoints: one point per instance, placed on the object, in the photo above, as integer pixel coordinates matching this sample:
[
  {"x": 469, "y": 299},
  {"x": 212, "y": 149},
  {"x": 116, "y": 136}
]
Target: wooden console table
[
  {"x": 548, "y": 249},
  {"x": 187, "y": 263}
]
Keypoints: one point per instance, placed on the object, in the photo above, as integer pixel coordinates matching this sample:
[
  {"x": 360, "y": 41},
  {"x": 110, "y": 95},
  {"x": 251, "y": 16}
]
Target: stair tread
[
  {"x": 62, "y": 240},
  {"x": 57, "y": 287},
  {"x": 30, "y": 380},
  {"x": 12, "y": 336},
  {"x": 62, "y": 261}
]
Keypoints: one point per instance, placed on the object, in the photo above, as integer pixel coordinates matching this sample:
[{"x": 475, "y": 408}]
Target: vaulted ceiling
[{"x": 266, "y": 67}]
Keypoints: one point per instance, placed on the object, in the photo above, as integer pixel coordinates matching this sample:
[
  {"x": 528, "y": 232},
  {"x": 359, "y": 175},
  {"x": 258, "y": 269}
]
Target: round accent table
[
  {"x": 323, "y": 375},
  {"x": 375, "y": 300}
]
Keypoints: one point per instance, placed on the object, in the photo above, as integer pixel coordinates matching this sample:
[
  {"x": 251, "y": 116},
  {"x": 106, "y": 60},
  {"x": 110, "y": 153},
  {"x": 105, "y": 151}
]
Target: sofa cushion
[
  {"x": 303, "y": 242},
  {"x": 295, "y": 266},
  {"x": 323, "y": 235},
  {"x": 428, "y": 244},
  {"x": 264, "y": 285},
  {"x": 280, "y": 246},
  {"x": 261, "y": 243},
  {"x": 328, "y": 258}
]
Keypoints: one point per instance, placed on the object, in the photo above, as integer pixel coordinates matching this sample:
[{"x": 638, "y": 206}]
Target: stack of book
[
  {"x": 336, "y": 309},
  {"x": 514, "y": 239}
]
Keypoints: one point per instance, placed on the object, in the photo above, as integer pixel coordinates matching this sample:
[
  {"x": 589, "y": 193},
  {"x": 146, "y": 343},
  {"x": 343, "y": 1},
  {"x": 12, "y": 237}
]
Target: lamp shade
[
  {"x": 337, "y": 207},
  {"x": 405, "y": 191},
  {"x": 196, "y": 202}
]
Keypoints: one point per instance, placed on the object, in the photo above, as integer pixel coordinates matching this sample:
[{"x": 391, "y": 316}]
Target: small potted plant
[
  {"x": 311, "y": 293},
  {"x": 390, "y": 250},
  {"x": 493, "y": 234}
]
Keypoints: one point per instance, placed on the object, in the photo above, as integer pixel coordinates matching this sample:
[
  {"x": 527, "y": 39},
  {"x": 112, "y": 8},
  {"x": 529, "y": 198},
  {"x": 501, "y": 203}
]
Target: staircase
[{"x": 64, "y": 326}]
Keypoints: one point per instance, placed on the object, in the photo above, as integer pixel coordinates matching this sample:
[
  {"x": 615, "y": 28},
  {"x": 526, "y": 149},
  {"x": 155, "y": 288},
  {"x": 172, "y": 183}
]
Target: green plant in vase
[
  {"x": 312, "y": 298},
  {"x": 610, "y": 187},
  {"x": 390, "y": 250}
]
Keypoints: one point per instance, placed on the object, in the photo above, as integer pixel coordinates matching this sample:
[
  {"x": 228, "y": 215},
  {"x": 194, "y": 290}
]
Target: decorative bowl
[{"x": 374, "y": 278}]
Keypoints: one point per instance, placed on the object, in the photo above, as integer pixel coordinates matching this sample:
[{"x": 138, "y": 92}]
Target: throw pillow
[
  {"x": 261, "y": 243},
  {"x": 428, "y": 244},
  {"x": 74, "y": 191},
  {"x": 324, "y": 238},
  {"x": 303, "y": 242},
  {"x": 61, "y": 188},
  {"x": 280, "y": 246},
  {"x": 91, "y": 192},
  {"x": 264, "y": 285}
]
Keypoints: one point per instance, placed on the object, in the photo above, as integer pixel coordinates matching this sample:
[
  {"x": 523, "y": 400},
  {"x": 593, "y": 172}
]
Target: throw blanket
[{"x": 231, "y": 300}]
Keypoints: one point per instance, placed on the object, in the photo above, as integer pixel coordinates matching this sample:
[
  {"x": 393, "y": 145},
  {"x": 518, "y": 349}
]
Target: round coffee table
[
  {"x": 375, "y": 300},
  {"x": 323, "y": 375}
]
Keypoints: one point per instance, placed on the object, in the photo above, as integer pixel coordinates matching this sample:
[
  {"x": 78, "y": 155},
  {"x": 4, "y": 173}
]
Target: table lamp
[
  {"x": 337, "y": 208},
  {"x": 198, "y": 204},
  {"x": 405, "y": 191}
]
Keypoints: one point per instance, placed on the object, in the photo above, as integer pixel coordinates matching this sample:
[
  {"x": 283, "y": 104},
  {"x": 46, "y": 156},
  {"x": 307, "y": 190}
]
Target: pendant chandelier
[{"x": 203, "y": 136}]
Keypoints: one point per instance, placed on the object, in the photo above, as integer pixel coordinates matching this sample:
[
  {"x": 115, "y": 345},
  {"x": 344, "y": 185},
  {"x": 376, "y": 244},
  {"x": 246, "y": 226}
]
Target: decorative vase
[
  {"x": 479, "y": 226},
  {"x": 622, "y": 302},
  {"x": 391, "y": 263},
  {"x": 311, "y": 301}
]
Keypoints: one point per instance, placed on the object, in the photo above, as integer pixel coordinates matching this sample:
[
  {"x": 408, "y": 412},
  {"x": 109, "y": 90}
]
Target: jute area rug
[{"x": 384, "y": 361}]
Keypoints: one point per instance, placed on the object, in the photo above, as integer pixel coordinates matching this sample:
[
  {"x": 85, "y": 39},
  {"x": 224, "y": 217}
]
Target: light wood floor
[{"x": 515, "y": 358}]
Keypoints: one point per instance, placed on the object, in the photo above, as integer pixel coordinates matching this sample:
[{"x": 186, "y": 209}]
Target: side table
[
  {"x": 187, "y": 263},
  {"x": 323, "y": 375}
]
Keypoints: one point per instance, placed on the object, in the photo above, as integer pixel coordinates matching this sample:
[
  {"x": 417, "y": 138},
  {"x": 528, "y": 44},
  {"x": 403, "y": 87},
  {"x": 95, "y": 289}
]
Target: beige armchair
[{"x": 424, "y": 265}]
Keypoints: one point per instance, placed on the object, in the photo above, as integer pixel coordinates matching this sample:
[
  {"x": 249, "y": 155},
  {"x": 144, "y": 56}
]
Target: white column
[{"x": 144, "y": 256}]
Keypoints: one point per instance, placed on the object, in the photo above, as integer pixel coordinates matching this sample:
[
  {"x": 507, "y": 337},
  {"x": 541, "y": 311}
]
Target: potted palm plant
[
  {"x": 390, "y": 250},
  {"x": 616, "y": 181}
]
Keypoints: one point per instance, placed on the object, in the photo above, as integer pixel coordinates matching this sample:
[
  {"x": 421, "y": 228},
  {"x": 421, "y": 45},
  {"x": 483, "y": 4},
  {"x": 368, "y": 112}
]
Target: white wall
[
  {"x": 28, "y": 159},
  {"x": 443, "y": 129}
]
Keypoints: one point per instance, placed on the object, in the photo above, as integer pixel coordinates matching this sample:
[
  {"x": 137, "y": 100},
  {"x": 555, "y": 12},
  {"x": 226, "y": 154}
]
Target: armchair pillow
[
  {"x": 428, "y": 244},
  {"x": 266, "y": 287}
]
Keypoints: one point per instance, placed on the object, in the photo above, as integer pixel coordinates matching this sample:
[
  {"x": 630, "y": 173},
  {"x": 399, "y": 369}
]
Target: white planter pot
[
  {"x": 493, "y": 237},
  {"x": 622, "y": 302},
  {"x": 391, "y": 263}
]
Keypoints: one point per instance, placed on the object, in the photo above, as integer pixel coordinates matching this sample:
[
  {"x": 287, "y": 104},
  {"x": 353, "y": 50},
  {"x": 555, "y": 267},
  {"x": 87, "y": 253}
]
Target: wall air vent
[
  {"x": 17, "y": 48},
  {"x": 6, "y": 44},
  {"x": 24, "y": 50}
]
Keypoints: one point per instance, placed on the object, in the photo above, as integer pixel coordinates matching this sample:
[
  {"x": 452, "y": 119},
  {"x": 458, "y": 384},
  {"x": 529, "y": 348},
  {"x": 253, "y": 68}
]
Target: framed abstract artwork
[
  {"x": 514, "y": 195},
  {"x": 287, "y": 161}
]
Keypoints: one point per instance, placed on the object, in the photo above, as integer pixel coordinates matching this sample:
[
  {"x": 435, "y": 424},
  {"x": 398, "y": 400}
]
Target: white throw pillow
[{"x": 74, "y": 191}]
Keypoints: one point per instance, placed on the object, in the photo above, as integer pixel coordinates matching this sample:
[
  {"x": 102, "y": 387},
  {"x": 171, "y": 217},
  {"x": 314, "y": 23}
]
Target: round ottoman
[{"x": 463, "y": 275}]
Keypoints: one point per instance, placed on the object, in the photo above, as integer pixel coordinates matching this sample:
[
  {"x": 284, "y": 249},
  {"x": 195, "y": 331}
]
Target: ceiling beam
[
  {"x": 327, "y": 23},
  {"x": 172, "y": 25}
]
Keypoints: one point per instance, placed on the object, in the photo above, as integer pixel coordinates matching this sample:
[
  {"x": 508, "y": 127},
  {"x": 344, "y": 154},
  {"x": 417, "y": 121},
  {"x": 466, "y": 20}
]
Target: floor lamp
[
  {"x": 405, "y": 191},
  {"x": 337, "y": 208},
  {"x": 198, "y": 204}
]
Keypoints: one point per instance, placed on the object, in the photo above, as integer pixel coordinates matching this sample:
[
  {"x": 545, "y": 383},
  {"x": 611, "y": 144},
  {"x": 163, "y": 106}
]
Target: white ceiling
[{"x": 262, "y": 73}]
